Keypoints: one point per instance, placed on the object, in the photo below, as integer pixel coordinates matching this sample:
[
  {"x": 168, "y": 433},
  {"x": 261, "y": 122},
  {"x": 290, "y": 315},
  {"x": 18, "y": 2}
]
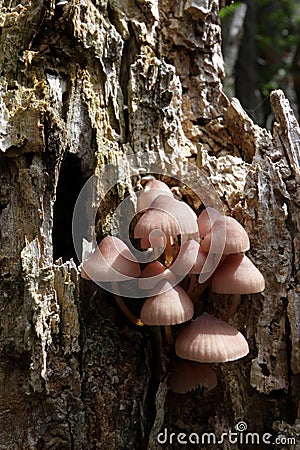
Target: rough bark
[{"x": 82, "y": 83}]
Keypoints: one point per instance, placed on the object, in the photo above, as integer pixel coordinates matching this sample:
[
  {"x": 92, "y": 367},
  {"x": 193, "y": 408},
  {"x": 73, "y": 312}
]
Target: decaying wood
[{"x": 82, "y": 83}]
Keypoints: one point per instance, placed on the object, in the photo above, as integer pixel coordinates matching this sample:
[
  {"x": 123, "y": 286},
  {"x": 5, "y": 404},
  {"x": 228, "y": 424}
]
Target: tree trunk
[{"x": 82, "y": 83}]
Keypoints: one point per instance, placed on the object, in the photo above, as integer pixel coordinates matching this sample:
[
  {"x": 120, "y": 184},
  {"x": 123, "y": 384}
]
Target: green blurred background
[{"x": 261, "y": 48}]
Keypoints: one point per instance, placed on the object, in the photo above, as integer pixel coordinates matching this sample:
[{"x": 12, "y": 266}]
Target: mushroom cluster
[{"x": 183, "y": 251}]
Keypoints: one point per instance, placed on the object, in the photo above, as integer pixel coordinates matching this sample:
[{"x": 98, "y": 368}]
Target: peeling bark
[{"x": 81, "y": 84}]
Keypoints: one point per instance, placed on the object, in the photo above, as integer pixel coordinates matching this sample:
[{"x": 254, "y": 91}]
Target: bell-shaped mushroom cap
[
  {"x": 237, "y": 275},
  {"x": 189, "y": 259},
  {"x": 229, "y": 230},
  {"x": 206, "y": 220},
  {"x": 187, "y": 375},
  {"x": 208, "y": 339},
  {"x": 180, "y": 211},
  {"x": 153, "y": 189},
  {"x": 111, "y": 261},
  {"x": 154, "y": 219},
  {"x": 170, "y": 307},
  {"x": 153, "y": 273},
  {"x": 157, "y": 184}
]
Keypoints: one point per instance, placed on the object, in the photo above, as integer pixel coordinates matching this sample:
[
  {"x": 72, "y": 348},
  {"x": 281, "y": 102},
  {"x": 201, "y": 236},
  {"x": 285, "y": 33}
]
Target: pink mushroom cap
[
  {"x": 154, "y": 219},
  {"x": 211, "y": 340},
  {"x": 170, "y": 307},
  {"x": 189, "y": 259},
  {"x": 153, "y": 273},
  {"x": 153, "y": 189},
  {"x": 180, "y": 211},
  {"x": 111, "y": 261},
  {"x": 206, "y": 220},
  {"x": 169, "y": 215},
  {"x": 229, "y": 231},
  {"x": 237, "y": 275}
]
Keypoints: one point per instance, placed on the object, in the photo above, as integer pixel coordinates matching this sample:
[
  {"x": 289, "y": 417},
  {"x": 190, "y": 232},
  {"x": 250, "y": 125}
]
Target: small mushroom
[
  {"x": 170, "y": 306},
  {"x": 211, "y": 340},
  {"x": 182, "y": 213},
  {"x": 206, "y": 220},
  {"x": 113, "y": 262},
  {"x": 229, "y": 233},
  {"x": 187, "y": 375},
  {"x": 190, "y": 261},
  {"x": 153, "y": 189},
  {"x": 156, "y": 241},
  {"x": 186, "y": 258},
  {"x": 237, "y": 275},
  {"x": 152, "y": 269},
  {"x": 184, "y": 217},
  {"x": 171, "y": 216},
  {"x": 154, "y": 219},
  {"x": 153, "y": 273}
]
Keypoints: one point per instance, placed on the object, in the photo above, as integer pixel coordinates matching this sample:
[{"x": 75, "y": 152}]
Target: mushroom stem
[
  {"x": 185, "y": 283},
  {"x": 185, "y": 238},
  {"x": 169, "y": 334},
  {"x": 126, "y": 311},
  {"x": 193, "y": 281},
  {"x": 156, "y": 252},
  {"x": 198, "y": 291},
  {"x": 124, "y": 308},
  {"x": 233, "y": 306},
  {"x": 168, "y": 252}
]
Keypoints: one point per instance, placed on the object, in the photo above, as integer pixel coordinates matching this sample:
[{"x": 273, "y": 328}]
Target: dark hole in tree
[
  {"x": 70, "y": 183},
  {"x": 264, "y": 369},
  {"x": 3, "y": 205}
]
